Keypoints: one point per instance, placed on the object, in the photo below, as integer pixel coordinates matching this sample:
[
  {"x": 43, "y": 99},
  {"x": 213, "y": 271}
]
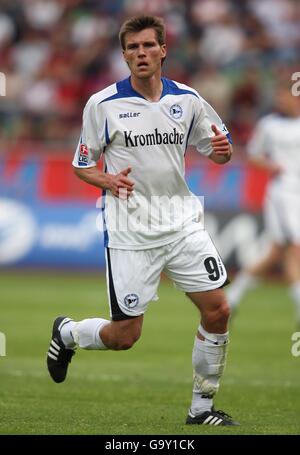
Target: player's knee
[
  {"x": 219, "y": 315},
  {"x": 125, "y": 334},
  {"x": 125, "y": 345},
  {"x": 224, "y": 311},
  {"x": 126, "y": 342}
]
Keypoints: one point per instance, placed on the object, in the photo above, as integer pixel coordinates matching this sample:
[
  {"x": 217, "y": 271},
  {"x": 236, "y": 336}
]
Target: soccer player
[
  {"x": 275, "y": 147},
  {"x": 142, "y": 127}
]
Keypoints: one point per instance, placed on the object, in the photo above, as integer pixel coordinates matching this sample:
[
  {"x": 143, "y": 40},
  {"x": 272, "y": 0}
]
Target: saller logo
[{"x": 155, "y": 138}]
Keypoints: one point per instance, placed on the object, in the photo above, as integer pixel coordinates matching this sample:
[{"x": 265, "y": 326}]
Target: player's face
[{"x": 143, "y": 53}]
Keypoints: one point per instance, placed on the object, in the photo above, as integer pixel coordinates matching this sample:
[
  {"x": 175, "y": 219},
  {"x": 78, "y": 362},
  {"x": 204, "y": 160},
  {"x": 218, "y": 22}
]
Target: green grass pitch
[{"x": 147, "y": 389}]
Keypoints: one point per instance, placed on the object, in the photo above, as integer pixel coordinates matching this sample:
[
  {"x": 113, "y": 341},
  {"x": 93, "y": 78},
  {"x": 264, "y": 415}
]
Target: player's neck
[{"x": 151, "y": 88}]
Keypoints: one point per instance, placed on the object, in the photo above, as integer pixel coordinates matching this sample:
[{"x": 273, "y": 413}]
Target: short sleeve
[
  {"x": 92, "y": 138},
  {"x": 202, "y": 133}
]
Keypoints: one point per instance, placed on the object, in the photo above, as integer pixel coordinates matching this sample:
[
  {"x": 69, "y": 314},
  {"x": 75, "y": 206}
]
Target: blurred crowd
[{"x": 56, "y": 53}]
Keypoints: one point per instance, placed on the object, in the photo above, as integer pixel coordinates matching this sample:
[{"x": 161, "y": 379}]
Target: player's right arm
[
  {"x": 120, "y": 185},
  {"x": 93, "y": 140}
]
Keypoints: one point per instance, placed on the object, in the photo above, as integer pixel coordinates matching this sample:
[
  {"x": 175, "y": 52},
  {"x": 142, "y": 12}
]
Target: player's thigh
[
  {"x": 132, "y": 280},
  {"x": 195, "y": 264}
]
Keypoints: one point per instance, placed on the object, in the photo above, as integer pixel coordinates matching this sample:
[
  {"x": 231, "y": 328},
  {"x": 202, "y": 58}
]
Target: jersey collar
[{"x": 126, "y": 87}]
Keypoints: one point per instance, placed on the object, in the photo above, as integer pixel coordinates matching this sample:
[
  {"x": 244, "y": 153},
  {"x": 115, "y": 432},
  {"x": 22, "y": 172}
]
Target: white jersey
[
  {"x": 151, "y": 138},
  {"x": 278, "y": 138}
]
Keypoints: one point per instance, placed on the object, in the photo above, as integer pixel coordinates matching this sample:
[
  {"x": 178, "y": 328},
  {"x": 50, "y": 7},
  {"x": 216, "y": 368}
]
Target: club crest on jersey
[
  {"x": 83, "y": 155},
  {"x": 176, "y": 111},
  {"x": 131, "y": 300}
]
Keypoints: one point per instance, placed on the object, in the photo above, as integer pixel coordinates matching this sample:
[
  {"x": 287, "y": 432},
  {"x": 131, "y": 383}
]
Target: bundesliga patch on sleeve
[{"x": 83, "y": 155}]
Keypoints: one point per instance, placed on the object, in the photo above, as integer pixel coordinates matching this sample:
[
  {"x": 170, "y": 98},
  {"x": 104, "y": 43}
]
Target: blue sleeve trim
[
  {"x": 189, "y": 132},
  {"x": 107, "y": 138},
  {"x": 229, "y": 138}
]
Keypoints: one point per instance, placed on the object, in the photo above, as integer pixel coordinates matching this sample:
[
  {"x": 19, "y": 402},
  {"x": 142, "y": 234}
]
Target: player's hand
[
  {"x": 220, "y": 143},
  {"x": 120, "y": 185}
]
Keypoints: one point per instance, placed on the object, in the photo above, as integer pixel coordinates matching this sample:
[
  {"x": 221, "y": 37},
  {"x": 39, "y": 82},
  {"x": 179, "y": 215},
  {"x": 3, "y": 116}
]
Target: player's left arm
[
  {"x": 209, "y": 134},
  {"x": 222, "y": 149}
]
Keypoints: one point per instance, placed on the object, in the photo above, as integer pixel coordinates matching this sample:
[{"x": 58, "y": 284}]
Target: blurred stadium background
[{"x": 54, "y": 55}]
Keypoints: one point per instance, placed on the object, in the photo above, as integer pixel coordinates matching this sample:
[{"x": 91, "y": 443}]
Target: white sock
[
  {"x": 86, "y": 333},
  {"x": 240, "y": 285},
  {"x": 209, "y": 358},
  {"x": 66, "y": 335},
  {"x": 295, "y": 293}
]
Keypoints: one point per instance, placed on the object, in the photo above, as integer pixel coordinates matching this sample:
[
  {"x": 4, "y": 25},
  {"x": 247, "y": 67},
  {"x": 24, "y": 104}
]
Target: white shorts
[
  {"x": 282, "y": 217},
  {"x": 133, "y": 277}
]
